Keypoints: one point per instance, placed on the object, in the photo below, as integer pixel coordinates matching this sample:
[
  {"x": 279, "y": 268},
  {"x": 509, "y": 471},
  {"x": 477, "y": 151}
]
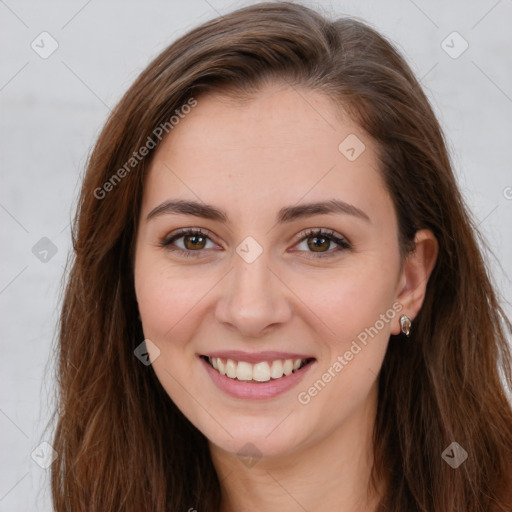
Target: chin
[{"x": 257, "y": 437}]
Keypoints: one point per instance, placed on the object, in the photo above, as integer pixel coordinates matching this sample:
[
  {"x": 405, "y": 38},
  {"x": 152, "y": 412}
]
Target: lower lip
[{"x": 256, "y": 390}]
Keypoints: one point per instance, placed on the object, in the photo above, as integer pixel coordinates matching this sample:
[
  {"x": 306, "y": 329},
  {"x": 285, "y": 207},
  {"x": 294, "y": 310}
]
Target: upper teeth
[{"x": 260, "y": 372}]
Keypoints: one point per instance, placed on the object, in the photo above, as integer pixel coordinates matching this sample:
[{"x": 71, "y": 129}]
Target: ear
[{"x": 415, "y": 274}]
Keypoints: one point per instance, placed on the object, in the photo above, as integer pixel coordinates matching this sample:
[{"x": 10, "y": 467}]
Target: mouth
[{"x": 259, "y": 372}]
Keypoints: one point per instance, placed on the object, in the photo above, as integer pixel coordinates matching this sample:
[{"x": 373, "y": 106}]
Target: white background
[{"x": 52, "y": 110}]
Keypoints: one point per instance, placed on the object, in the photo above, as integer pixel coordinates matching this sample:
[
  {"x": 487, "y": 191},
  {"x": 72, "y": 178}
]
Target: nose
[{"x": 254, "y": 299}]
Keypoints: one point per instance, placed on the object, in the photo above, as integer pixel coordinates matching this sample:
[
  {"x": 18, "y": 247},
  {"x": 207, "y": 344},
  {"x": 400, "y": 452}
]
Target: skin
[{"x": 278, "y": 149}]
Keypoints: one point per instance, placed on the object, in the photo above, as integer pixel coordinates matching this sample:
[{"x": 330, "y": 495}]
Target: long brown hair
[{"x": 123, "y": 445}]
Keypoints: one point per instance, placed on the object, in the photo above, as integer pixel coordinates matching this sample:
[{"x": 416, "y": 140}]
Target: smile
[
  {"x": 259, "y": 372},
  {"x": 256, "y": 376}
]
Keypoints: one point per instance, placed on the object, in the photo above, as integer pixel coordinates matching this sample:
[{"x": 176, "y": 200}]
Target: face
[{"x": 293, "y": 305}]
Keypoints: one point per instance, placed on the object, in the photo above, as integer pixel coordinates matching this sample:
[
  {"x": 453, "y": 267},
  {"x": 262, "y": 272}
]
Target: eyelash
[{"x": 342, "y": 242}]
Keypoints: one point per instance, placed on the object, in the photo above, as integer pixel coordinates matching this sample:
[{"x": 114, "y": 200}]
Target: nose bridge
[{"x": 253, "y": 298}]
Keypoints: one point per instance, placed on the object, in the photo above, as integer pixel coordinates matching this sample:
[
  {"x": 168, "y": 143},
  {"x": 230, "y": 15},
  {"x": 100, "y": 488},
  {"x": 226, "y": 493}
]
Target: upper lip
[{"x": 256, "y": 357}]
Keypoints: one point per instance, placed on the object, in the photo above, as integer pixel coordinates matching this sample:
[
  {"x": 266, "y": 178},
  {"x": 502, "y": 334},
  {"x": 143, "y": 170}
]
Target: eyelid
[
  {"x": 182, "y": 232},
  {"x": 321, "y": 231},
  {"x": 342, "y": 242},
  {"x": 187, "y": 231}
]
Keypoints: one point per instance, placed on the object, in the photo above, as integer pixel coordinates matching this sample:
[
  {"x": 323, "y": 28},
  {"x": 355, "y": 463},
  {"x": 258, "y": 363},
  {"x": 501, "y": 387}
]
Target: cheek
[
  {"x": 355, "y": 313},
  {"x": 168, "y": 300},
  {"x": 349, "y": 301},
  {"x": 165, "y": 297}
]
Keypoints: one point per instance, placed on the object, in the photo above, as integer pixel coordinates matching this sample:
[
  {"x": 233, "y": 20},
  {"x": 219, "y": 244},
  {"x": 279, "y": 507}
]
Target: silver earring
[{"x": 405, "y": 325}]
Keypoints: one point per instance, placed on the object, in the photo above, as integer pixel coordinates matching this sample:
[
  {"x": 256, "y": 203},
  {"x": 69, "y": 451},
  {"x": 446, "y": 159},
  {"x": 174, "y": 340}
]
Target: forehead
[{"x": 281, "y": 145}]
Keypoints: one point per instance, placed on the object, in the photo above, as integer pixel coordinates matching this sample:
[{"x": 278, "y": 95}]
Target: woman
[{"x": 277, "y": 301}]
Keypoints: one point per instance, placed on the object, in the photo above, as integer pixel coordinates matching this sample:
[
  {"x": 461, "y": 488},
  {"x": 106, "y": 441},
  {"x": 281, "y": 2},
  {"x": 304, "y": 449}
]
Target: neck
[{"x": 331, "y": 473}]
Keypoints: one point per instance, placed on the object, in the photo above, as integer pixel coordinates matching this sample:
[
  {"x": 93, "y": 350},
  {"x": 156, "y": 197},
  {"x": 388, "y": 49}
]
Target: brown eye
[
  {"x": 189, "y": 242},
  {"x": 319, "y": 243},
  {"x": 194, "y": 241},
  {"x": 316, "y": 243}
]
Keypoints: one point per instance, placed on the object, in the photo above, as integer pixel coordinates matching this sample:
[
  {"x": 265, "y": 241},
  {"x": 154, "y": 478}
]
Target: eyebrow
[{"x": 287, "y": 214}]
